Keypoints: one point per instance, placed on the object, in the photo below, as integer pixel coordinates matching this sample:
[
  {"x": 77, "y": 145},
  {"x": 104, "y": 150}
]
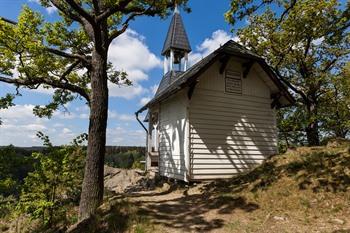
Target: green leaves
[
  {"x": 55, "y": 181},
  {"x": 305, "y": 42}
]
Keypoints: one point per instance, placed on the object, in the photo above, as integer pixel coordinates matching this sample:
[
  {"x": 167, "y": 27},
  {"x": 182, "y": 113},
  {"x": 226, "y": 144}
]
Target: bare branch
[
  {"x": 51, "y": 82},
  {"x": 114, "y": 34},
  {"x": 286, "y": 11},
  {"x": 68, "y": 55}
]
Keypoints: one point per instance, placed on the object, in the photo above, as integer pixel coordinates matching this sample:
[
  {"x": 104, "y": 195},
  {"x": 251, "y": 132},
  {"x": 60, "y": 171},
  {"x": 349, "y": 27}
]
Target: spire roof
[{"x": 176, "y": 37}]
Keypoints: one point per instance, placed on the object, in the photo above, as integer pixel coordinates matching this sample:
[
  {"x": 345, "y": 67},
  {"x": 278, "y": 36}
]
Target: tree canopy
[
  {"x": 70, "y": 55},
  {"x": 307, "y": 44}
]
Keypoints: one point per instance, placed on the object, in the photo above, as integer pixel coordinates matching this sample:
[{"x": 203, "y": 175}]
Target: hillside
[{"x": 303, "y": 190}]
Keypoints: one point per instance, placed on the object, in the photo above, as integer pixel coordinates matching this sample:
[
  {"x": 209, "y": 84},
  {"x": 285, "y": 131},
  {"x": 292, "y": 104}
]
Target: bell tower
[{"x": 176, "y": 46}]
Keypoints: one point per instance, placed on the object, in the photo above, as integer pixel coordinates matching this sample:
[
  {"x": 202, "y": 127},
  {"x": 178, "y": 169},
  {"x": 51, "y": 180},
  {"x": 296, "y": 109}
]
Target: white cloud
[
  {"x": 66, "y": 130},
  {"x": 218, "y": 38},
  {"x": 50, "y": 10},
  {"x": 154, "y": 89},
  {"x": 125, "y": 136},
  {"x": 120, "y": 117},
  {"x": 130, "y": 53},
  {"x": 126, "y": 92},
  {"x": 20, "y": 127},
  {"x": 145, "y": 100},
  {"x": 150, "y": 92}
]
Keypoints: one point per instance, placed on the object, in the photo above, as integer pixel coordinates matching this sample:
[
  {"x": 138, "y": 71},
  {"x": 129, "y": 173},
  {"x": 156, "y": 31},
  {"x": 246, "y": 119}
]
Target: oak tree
[
  {"x": 70, "y": 55},
  {"x": 306, "y": 42}
]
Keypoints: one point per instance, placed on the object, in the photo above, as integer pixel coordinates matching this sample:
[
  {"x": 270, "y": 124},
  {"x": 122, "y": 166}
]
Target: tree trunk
[
  {"x": 92, "y": 188},
  {"x": 312, "y": 134}
]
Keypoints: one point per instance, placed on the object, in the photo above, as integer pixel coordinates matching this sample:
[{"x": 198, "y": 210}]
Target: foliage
[
  {"x": 335, "y": 108},
  {"x": 7, "y": 205},
  {"x": 306, "y": 43},
  {"x": 38, "y": 50},
  {"x": 6, "y": 102},
  {"x": 70, "y": 55},
  {"x": 14, "y": 167},
  {"x": 128, "y": 159},
  {"x": 54, "y": 183}
]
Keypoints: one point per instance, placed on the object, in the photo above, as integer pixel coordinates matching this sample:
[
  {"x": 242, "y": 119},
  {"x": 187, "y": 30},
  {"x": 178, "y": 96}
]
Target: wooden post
[
  {"x": 186, "y": 61},
  {"x": 165, "y": 65},
  {"x": 171, "y": 60},
  {"x": 149, "y": 143}
]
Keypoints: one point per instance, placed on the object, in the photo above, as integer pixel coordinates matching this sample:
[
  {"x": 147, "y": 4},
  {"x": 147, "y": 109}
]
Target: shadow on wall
[
  {"x": 235, "y": 146},
  {"x": 172, "y": 148}
]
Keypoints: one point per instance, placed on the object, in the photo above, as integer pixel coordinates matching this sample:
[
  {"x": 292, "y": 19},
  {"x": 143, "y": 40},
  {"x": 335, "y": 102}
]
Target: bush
[
  {"x": 55, "y": 182},
  {"x": 14, "y": 166}
]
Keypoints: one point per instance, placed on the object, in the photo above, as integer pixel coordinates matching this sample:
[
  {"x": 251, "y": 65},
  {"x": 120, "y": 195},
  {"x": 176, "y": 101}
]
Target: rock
[
  {"x": 279, "y": 218},
  {"x": 110, "y": 171},
  {"x": 119, "y": 180},
  {"x": 338, "y": 221},
  {"x": 165, "y": 187}
]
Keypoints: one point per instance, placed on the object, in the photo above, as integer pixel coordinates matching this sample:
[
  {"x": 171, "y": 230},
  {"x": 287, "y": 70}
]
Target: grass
[{"x": 306, "y": 189}]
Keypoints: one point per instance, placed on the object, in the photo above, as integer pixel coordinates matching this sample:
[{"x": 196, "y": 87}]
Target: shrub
[{"x": 55, "y": 182}]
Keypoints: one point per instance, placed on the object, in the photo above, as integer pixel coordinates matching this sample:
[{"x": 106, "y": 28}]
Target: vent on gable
[{"x": 233, "y": 82}]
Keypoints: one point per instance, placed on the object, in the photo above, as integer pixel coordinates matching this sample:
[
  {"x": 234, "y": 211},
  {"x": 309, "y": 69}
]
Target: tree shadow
[
  {"x": 342, "y": 231},
  {"x": 187, "y": 212},
  {"x": 172, "y": 143},
  {"x": 239, "y": 144},
  {"x": 319, "y": 171}
]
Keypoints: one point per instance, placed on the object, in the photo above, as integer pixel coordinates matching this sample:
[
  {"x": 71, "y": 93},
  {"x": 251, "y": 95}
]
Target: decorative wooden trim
[
  {"x": 247, "y": 66},
  {"x": 224, "y": 61}
]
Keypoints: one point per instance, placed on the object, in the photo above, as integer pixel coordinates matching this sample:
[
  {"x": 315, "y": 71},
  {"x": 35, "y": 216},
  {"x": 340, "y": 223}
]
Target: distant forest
[{"x": 115, "y": 156}]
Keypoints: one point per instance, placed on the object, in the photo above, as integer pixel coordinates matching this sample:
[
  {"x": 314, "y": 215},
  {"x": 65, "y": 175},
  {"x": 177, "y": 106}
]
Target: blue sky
[{"x": 138, "y": 52}]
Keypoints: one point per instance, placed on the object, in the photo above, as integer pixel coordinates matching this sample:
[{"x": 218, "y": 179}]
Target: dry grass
[{"x": 303, "y": 190}]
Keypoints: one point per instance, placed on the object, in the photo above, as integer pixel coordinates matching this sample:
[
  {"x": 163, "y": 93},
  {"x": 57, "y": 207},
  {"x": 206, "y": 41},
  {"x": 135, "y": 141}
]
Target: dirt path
[
  {"x": 211, "y": 208},
  {"x": 188, "y": 210}
]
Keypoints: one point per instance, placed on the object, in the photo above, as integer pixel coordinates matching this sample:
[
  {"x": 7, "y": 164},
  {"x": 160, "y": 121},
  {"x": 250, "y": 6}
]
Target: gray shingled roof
[
  {"x": 167, "y": 80},
  {"x": 176, "y": 37},
  {"x": 184, "y": 79}
]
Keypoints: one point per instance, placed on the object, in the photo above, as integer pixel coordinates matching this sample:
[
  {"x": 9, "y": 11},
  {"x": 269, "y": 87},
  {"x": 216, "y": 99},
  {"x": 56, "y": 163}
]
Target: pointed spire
[{"x": 176, "y": 38}]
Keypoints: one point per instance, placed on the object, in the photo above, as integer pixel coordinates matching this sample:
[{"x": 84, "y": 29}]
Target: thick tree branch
[
  {"x": 81, "y": 11},
  {"x": 82, "y": 58},
  {"x": 67, "y": 12},
  {"x": 69, "y": 70},
  {"x": 53, "y": 83},
  {"x": 112, "y": 10},
  {"x": 114, "y": 34},
  {"x": 291, "y": 86},
  {"x": 86, "y": 24}
]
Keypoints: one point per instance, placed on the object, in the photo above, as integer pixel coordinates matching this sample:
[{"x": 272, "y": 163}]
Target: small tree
[
  {"x": 55, "y": 181},
  {"x": 55, "y": 54},
  {"x": 305, "y": 42}
]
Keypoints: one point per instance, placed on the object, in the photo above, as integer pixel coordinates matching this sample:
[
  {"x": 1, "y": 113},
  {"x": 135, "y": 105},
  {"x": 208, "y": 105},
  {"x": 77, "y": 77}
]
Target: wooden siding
[
  {"x": 230, "y": 133},
  {"x": 173, "y": 142}
]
